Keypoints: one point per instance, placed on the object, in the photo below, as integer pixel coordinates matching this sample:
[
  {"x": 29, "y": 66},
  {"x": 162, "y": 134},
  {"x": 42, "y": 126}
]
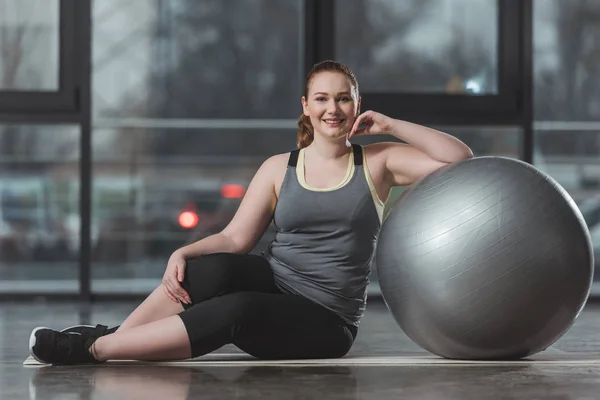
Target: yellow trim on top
[
  {"x": 379, "y": 205},
  {"x": 302, "y": 180}
]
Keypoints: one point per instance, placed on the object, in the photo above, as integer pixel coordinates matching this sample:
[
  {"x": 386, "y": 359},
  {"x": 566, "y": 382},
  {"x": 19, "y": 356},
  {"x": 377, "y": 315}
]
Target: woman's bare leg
[
  {"x": 165, "y": 339},
  {"x": 155, "y": 307}
]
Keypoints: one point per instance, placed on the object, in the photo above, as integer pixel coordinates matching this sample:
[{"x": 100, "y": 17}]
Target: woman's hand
[
  {"x": 173, "y": 276},
  {"x": 371, "y": 122}
]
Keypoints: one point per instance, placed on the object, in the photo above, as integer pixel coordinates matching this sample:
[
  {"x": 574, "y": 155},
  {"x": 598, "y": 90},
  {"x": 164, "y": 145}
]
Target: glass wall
[
  {"x": 190, "y": 96},
  {"x": 188, "y": 101},
  {"x": 185, "y": 107},
  {"x": 567, "y": 101},
  {"x": 39, "y": 163},
  {"x": 29, "y": 33},
  {"x": 39, "y": 208}
]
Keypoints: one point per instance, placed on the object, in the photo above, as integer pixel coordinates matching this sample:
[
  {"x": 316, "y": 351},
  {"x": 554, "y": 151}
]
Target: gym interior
[{"x": 131, "y": 128}]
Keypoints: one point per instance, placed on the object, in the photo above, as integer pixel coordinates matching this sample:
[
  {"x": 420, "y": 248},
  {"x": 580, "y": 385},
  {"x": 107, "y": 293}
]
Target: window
[
  {"x": 417, "y": 46},
  {"x": 197, "y": 59},
  {"x": 567, "y": 102},
  {"x": 185, "y": 109},
  {"x": 29, "y": 33},
  {"x": 155, "y": 190},
  {"x": 39, "y": 208},
  {"x": 470, "y": 73},
  {"x": 42, "y": 54}
]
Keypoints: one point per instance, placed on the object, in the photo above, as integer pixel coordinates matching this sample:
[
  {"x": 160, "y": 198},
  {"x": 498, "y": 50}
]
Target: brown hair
[{"x": 305, "y": 129}]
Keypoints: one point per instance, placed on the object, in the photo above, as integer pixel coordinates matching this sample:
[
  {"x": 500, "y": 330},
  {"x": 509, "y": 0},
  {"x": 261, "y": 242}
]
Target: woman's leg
[
  {"x": 238, "y": 302},
  {"x": 265, "y": 325},
  {"x": 165, "y": 339},
  {"x": 153, "y": 332},
  {"x": 206, "y": 277},
  {"x": 208, "y": 324},
  {"x": 293, "y": 327},
  {"x": 155, "y": 307},
  {"x": 268, "y": 326}
]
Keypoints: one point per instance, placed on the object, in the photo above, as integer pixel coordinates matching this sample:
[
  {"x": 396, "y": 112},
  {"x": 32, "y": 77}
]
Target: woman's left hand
[{"x": 372, "y": 123}]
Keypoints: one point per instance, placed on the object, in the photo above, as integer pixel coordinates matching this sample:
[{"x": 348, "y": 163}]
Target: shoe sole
[{"x": 32, "y": 342}]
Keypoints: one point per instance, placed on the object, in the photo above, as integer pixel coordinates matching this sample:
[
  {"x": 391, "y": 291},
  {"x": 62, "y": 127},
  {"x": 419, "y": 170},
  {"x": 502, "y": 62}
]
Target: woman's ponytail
[{"x": 305, "y": 132}]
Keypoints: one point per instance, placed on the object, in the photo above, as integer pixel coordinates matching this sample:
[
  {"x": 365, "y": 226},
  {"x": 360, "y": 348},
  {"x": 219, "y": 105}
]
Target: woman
[{"x": 305, "y": 296}]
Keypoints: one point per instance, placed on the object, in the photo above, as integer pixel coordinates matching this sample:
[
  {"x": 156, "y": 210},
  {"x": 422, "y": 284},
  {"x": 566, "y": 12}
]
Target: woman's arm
[
  {"x": 438, "y": 146},
  {"x": 250, "y": 220},
  {"x": 217, "y": 243},
  {"x": 426, "y": 149}
]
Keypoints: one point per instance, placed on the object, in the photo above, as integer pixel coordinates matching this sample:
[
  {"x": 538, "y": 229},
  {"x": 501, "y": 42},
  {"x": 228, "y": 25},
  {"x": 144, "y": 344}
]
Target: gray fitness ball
[{"x": 488, "y": 258}]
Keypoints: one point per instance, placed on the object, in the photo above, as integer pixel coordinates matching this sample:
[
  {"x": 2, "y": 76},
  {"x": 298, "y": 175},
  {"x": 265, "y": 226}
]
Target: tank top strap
[
  {"x": 357, "y": 150},
  {"x": 293, "y": 160},
  {"x": 358, "y": 157}
]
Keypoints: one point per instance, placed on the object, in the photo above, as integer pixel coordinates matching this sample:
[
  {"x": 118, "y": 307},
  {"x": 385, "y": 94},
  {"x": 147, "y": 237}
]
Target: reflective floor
[{"x": 379, "y": 336}]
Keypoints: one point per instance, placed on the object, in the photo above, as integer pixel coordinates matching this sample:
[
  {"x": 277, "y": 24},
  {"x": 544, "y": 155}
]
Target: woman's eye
[
  {"x": 345, "y": 99},
  {"x": 320, "y": 98}
]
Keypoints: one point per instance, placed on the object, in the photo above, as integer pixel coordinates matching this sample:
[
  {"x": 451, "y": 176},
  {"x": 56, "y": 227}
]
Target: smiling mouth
[{"x": 333, "y": 122}]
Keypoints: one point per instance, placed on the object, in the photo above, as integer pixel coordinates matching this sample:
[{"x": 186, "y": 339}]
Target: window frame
[
  {"x": 64, "y": 104},
  {"x": 504, "y": 108}
]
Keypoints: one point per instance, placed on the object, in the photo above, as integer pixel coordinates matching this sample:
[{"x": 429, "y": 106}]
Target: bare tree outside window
[{"x": 29, "y": 44}]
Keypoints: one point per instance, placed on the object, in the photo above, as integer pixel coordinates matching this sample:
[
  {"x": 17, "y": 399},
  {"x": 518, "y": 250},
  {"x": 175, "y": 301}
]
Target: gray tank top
[{"x": 325, "y": 238}]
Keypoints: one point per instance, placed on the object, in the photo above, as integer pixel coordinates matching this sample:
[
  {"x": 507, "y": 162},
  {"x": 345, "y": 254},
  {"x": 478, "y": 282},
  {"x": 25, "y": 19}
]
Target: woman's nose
[{"x": 332, "y": 107}]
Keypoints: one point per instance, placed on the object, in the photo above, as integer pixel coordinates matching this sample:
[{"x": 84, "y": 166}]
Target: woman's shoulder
[
  {"x": 277, "y": 161},
  {"x": 275, "y": 166}
]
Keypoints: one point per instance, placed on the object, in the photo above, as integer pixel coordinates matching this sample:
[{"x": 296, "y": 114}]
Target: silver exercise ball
[{"x": 488, "y": 258}]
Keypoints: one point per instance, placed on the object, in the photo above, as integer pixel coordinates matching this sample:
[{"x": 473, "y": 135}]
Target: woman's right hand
[{"x": 173, "y": 277}]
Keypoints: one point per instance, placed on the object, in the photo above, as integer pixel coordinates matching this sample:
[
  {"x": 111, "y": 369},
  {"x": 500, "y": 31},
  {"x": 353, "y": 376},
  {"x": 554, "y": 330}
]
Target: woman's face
[{"x": 332, "y": 104}]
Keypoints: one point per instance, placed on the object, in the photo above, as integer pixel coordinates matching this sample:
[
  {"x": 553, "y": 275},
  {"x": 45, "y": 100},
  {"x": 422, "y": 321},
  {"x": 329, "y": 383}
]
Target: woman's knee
[
  {"x": 207, "y": 275},
  {"x": 215, "y": 274}
]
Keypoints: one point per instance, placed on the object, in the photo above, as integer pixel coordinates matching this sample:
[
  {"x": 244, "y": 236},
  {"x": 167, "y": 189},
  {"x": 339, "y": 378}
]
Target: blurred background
[{"x": 130, "y": 128}]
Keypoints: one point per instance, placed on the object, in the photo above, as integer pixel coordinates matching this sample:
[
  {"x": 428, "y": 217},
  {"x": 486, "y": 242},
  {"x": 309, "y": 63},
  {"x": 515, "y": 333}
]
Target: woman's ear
[
  {"x": 358, "y": 106},
  {"x": 305, "y": 106}
]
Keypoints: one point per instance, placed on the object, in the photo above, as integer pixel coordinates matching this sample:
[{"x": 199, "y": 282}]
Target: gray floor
[{"x": 379, "y": 336}]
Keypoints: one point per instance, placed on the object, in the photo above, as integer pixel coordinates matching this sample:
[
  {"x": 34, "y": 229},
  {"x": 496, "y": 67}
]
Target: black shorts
[{"x": 235, "y": 300}]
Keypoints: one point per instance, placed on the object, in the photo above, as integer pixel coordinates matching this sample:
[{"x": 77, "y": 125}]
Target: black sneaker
[
  {"x": 52, "y": 347},
  {"x": 91, "y": 330}
]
